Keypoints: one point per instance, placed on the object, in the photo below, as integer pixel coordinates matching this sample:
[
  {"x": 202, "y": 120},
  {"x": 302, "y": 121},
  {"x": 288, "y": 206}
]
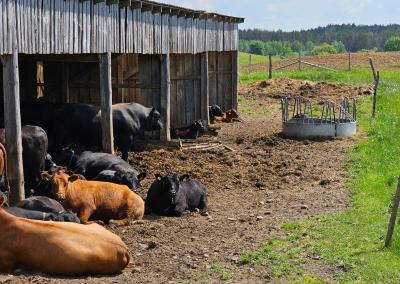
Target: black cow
[
  {"x": 41, "y": 203},
  {"x": 101, "y": 167},
  {"x": 80, "y": 123},
  {"x": 215, "y": 110},
  {"x": 34, "y": 145},
  {"x": 44, "y": 216},
  {"x": 194, "y": 131},
  {"x": 172, "y": 195}
]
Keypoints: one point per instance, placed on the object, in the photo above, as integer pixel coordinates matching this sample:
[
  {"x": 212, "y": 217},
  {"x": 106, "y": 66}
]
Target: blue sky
[{"x": 290, "y": 15}]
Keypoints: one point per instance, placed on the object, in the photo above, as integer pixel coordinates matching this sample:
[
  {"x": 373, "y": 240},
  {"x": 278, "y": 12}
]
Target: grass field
[{"x": 351, "y": 241}]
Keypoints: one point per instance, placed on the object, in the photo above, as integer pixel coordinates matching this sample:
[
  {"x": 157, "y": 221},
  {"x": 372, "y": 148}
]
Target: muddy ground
[
  {"x": 265, "y": 182},
  {"x": 316, "y": 92}
]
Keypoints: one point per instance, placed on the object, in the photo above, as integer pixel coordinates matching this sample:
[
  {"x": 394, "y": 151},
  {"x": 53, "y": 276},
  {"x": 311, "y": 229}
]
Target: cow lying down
[
  {"x": 94, "y": 200},
  {"x": 59, "y": 248},
  {"x": 172, "y": 195},
  {"x": 194, "y": 131},
  {"x": 41, "y": 208}
]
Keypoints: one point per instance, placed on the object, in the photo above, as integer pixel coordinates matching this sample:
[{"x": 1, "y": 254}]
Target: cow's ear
[
  {"x": 184, "y": 177},
  {"x": 153, "y": 110},
  {"x": 75, "y": 177},
  {"x": 45, "y": 176},
  {"x": 141, "y": 176},
  {"x": 158, "y": 176}
]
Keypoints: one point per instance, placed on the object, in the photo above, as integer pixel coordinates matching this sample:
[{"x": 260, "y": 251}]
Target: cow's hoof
[
  {"x": 205, "y": 214},
  {"x": 197, "y": 210},
  {"x": 100, "y": 222}
]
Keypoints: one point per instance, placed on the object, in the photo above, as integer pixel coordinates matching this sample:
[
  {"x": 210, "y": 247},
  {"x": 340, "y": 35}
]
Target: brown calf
[
  {"x": 59, "y": 248},
  {"x": 95, "y": 200},
  {"x": 229, "y": 116}
]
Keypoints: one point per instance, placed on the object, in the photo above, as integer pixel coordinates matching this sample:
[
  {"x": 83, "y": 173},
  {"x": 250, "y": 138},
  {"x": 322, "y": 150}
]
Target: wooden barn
[{"x": 108, "y": 51}]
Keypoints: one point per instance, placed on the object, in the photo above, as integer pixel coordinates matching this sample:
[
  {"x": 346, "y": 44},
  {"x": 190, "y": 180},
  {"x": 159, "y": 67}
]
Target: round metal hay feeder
[{"x": 335, "y": 120}]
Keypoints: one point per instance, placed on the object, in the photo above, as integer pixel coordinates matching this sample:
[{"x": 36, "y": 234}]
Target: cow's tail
[{"x": 3, "y": 149}]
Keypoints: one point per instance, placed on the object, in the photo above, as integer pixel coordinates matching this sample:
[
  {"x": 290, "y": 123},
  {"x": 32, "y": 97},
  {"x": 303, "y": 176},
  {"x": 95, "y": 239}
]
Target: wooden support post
[
  {"x": 205, "y": 90},
  {"x": 166, "y": 97},
  {"x": 376, "y": 85},
  {"x": 270, "y": 66},
  {"x": 106, "y": 103},
  {"x": 12, "y": 123},
  {"x": 235, "y": 78},
  {"x": 393, "y": 217},
  {"x": 349, "y": 61}
]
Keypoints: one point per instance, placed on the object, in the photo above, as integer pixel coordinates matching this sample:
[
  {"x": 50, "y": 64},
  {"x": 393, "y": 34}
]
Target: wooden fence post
[
  {"x": 376, "y": 85},
  {"x": 349, "y": 61},
  {"x": 166, "y": 97},
  {"x": 249, "y": 63},
  {"x": 299, "y": 60},
  {"x": 270, "y": 66},
  {"x": 392, "y": 221},
  {"x": 106, "y": 103},
  {"x": 235, "y": 79}
]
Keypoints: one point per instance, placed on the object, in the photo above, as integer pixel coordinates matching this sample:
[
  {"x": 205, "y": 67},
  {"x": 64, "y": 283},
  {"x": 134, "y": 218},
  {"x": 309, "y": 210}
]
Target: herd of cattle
[{"x": 74, "y": 189}]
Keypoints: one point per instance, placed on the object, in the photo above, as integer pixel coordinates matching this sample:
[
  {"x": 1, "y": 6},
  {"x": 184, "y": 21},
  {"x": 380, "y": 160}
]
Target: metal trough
[{"x": 301, "y": 124}]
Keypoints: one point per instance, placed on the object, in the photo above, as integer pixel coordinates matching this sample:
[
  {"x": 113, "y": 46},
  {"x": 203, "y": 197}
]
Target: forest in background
[{"x": 318, "y": 41}]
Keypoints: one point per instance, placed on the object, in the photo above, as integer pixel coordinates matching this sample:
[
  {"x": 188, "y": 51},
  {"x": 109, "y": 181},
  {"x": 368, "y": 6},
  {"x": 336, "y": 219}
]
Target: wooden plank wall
[
  {"x": 185, "y": 89},
  {"x": 222, "y": 80},
  {"x": 81, "y": 27}
]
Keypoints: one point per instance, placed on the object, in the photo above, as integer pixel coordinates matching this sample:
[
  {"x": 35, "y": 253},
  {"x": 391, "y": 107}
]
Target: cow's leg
[
  {"x": 124, "y": 155},
  {"x": 84, "y": 215},
  {"x": 122, "y": 222},
  {"x": 203, "y": 205}
]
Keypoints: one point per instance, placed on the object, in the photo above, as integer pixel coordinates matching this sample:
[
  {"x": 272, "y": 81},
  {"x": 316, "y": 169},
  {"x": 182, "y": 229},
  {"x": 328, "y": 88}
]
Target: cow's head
[
  {"x": 69, "y": 217},
  {"x": 131, "y": 180},
  {"x": 153, "y": 121},
  {"x": 59, "y": 183},
  {"x": 230, "y": 114},
  {"x": 215, "y": 110},
  {"x": 171, "y": 184}
]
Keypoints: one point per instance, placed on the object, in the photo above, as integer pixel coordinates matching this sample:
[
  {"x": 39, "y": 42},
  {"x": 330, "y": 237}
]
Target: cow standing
[{"x": 34, "y": 146}]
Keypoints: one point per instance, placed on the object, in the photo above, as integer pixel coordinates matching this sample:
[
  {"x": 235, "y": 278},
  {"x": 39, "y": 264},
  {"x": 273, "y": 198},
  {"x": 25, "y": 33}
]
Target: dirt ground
[
  {"x": 317, "y": 92},
  {"x": 265, "y": 182},
  {"x": 382, "y": 61}
]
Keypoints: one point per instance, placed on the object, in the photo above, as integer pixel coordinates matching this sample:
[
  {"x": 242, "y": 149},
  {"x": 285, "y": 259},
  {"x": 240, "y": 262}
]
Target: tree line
[{"x": 353, "y": 37}]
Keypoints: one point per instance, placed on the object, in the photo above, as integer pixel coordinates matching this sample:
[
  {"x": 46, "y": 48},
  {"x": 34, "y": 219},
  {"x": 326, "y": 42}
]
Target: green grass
[
  {"x": 351, "y": 241},
  {"x": 360, "y": 76},
  {"x": 220, "y": 271},
  {"x": 255, "y": 59}
]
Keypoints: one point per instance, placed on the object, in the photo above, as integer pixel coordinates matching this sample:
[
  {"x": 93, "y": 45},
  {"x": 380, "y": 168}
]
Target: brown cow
[
  {"x": 59, "y": 248},
  {"x": 229, "y": 116},
  {"x": 3, "y": 166},
  {"x": 96, "y": 200}
]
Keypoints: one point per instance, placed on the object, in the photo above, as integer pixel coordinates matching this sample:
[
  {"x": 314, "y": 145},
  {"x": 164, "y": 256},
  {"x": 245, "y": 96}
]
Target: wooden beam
[
  {"x": 137, "y": 5},
  {"x": 106, "y": 103},
  {"x": 165, "y": 98},
  {"x": 84, "y": 58},
  {"x": 12, "y": 123},
  {"x": 125, "y": 3},
  {"x": 157, "y": 9},
  {"x": 205, "y": 90}
]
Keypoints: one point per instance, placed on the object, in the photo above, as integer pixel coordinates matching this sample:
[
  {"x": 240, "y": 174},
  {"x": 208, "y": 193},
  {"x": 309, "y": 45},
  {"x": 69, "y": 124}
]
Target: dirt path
[{"x": 266, "y": 181}]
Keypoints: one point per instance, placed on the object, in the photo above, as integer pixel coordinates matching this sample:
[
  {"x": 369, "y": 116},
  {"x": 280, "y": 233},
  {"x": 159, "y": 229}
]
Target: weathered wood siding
[
  {"x": 185, "y": 89},
  {"x": 222, "y": 79},
  {"x": 82, "y": 27}
]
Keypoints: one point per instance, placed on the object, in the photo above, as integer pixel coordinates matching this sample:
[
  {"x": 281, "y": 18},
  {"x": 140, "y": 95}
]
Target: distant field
[
  {"x": 382, "y": 61},
  {"x": 255, "y": 59}
]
